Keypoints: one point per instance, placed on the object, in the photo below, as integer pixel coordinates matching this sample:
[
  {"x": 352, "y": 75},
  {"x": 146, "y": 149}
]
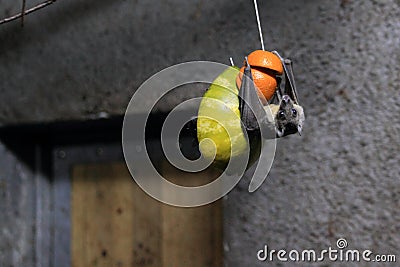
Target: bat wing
[{"x": 250, "y": 105}]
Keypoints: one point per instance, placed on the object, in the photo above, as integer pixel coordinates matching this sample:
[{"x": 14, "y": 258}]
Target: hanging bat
[{"x": 233, "y": 103}]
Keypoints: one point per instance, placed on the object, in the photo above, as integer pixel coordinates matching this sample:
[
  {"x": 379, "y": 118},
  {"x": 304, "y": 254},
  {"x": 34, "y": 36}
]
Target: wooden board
[
  {"x": 191, "y": 236},
  {"x": 114, "y": 223}
]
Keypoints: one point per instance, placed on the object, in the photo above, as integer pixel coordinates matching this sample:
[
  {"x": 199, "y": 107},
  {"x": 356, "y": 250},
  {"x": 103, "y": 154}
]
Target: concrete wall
[
  {"x": 342, "y": 177},
  {"x": 76, "y": 59},
  {"x": 17, "y": 209}
]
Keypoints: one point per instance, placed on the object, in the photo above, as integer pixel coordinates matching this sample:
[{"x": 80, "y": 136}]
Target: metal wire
[{"x": 259, "y": 24}]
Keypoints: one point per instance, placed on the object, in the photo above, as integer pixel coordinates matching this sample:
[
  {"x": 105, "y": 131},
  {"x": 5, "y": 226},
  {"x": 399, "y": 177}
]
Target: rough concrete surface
[
  {"x": 342, "y": 177},
  {"x": 76, "y": 59},
  {"x": 17, "y": 195}
]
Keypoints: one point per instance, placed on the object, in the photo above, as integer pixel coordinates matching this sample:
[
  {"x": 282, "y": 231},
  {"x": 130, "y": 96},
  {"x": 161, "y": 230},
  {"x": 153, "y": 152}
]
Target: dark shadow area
[
  {"x": 23, "y": 140},
  {"x": 63, "y": 133}
]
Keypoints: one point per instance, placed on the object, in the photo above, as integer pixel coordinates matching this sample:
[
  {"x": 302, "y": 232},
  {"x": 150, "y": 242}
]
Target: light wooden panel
[
  {"x": 114, "y": 223},
  {"x": 191, "y": 236}
]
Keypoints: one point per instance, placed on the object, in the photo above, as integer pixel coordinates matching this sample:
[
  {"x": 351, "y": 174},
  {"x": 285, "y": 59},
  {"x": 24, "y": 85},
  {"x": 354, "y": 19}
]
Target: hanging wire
[
  {"x": 231, "y": 60},
  {"x": 27, "y": 11},
  {"x": 259, "y": 24}
]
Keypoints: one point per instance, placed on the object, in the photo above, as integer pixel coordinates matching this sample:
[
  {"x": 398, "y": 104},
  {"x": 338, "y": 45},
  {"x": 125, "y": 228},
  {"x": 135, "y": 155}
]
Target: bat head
[{"x": 289, "y": 118}]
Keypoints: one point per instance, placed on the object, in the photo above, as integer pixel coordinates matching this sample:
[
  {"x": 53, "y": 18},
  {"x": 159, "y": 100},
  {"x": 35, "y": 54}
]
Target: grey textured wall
[
  {"x": 17, "y": 208},
  {"x": 342, "y": 177},
  {"x": 76, "y": 59}
]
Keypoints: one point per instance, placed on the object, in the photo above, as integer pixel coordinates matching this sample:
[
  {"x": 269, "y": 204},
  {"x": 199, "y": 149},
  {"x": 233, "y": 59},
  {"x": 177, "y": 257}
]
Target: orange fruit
[
  {"x": 264, "y": 68},
  {"x": 265, "y": 59}
]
